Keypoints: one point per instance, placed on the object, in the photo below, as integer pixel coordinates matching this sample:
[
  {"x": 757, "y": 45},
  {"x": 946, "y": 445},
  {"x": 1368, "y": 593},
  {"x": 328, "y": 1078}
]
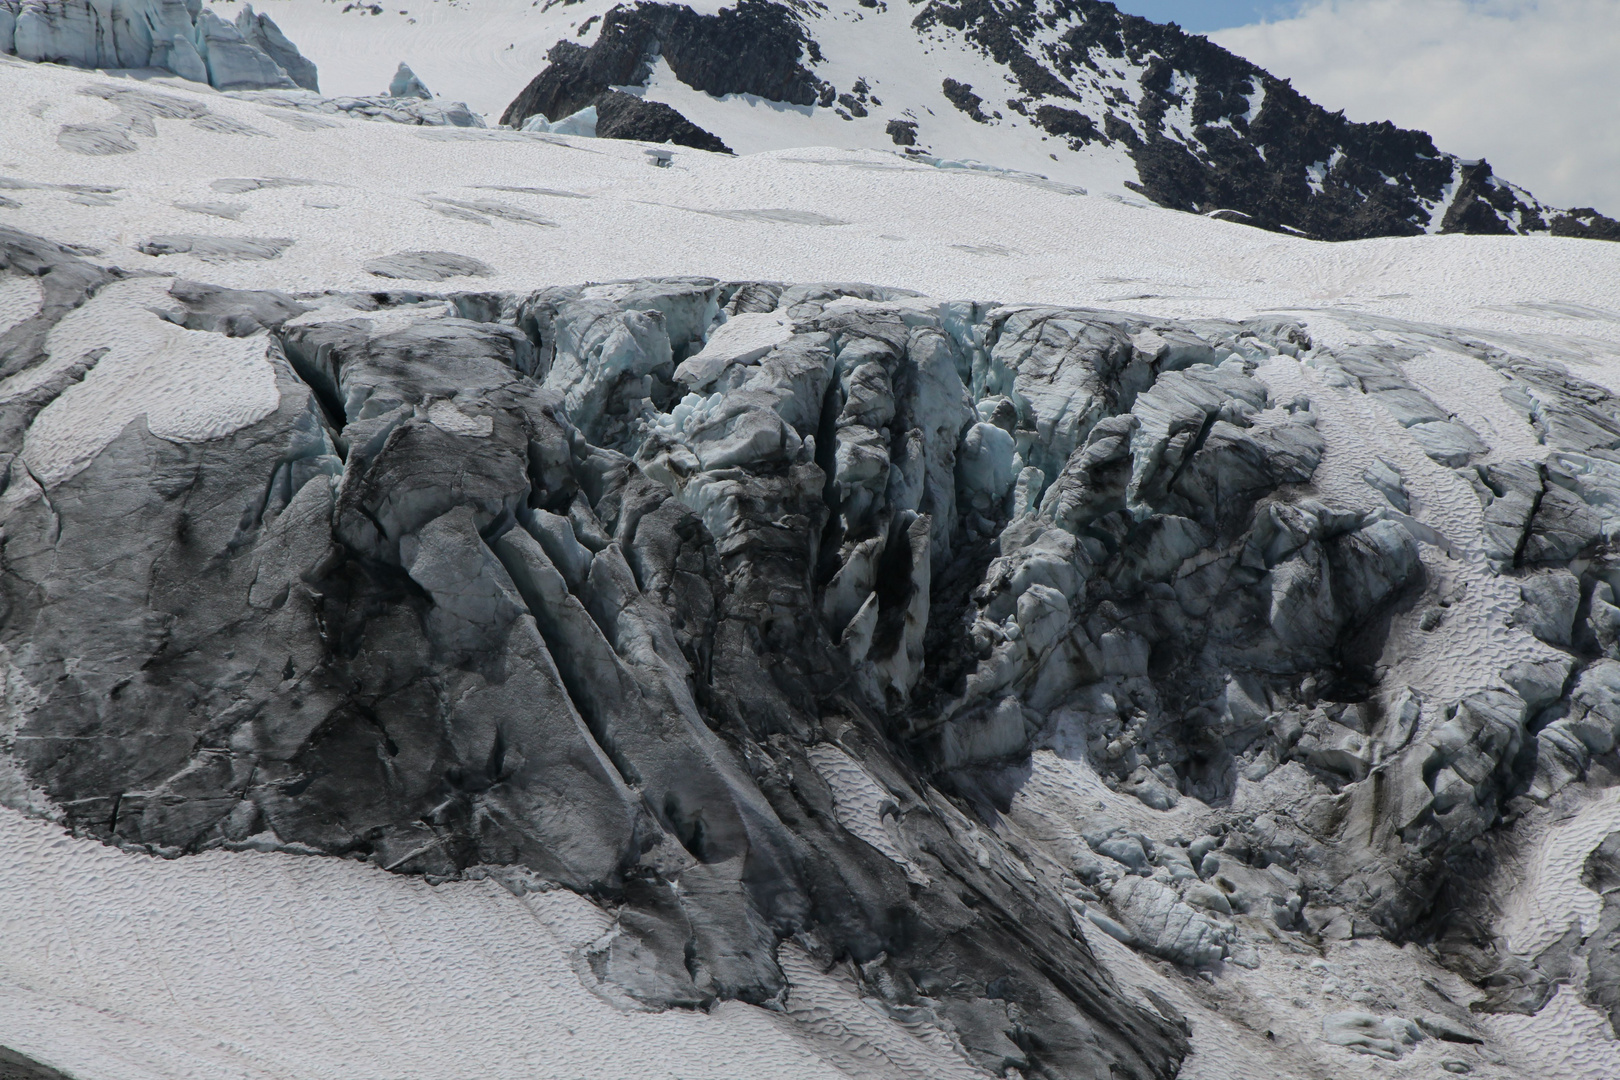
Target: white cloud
[{"x": 1531, "y": 85}]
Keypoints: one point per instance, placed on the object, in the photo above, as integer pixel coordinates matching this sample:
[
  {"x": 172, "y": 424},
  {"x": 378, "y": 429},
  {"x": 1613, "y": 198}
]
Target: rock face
[
  {"x": 1204, "y": 130},
  {"x": 756, "y": 47},
  {"x": 623, "y": 116},
  {"x": 742, "y": 607},
  {"x": 185, "y": 38}
]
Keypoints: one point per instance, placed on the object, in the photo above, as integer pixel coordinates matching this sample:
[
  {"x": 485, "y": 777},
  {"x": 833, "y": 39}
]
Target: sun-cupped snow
[{"x": 483, "y": 602}]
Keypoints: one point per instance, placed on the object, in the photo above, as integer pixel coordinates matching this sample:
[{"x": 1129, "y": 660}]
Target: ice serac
[
  {"x": 761, "y": 614},
  {"x": 261, "y": 32},
  {"x": 185, "y": 38},
  {"x": 445, "y": 628},
  {"x": 405, "y": 84}
]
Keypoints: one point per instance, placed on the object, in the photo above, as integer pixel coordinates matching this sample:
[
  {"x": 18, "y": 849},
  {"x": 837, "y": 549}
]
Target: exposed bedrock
[
  {"x": 741, "y": 608},
  {"x": 1206, "y": 131},
  {"x": 756, "y": 47}
]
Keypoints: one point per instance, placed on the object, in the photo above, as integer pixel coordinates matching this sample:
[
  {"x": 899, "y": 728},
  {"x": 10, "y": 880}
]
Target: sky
[
  {"x": 1202, "y": 16},
  {"x": 1531, "y": 85}
]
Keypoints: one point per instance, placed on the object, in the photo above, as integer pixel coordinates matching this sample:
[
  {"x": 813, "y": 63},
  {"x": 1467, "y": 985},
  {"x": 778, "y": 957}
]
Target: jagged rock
[
  {"x": 740, "y": 608},
  {"x": 621, "y": 116},
  {"x": 442, "y": 627},
  {"x": 755, "y": 47},
  {"x": 14, "y": 1066}
]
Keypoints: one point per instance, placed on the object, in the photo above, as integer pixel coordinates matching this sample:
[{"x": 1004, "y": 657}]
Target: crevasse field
[{"x": 118, "y": 965}]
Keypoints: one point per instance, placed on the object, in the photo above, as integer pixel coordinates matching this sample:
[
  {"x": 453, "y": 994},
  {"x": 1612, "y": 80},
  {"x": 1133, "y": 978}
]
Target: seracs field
[{"x": 480, "y": 602}]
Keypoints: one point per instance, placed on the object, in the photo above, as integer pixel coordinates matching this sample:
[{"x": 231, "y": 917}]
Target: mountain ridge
[{"x": 1203, "y": 129}]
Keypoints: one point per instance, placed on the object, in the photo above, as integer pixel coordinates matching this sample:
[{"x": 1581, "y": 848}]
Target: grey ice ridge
[{"x": 740, "y": 607}]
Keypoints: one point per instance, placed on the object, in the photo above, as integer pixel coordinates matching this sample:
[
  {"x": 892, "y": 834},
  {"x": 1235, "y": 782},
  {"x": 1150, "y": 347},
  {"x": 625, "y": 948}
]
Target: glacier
[{"x": 483, "y": 602}]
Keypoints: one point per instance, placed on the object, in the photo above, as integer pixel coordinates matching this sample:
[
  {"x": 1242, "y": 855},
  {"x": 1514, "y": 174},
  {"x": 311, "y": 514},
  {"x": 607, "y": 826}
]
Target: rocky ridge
[
  {"x": 1202, "y": 130},
  {"x": 741, "y": 608}
]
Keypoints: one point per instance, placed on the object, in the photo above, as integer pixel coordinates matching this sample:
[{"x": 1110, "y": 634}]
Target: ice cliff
[
  {"x": 180, "y": 36},
  {"x": 740, "y": 607}
]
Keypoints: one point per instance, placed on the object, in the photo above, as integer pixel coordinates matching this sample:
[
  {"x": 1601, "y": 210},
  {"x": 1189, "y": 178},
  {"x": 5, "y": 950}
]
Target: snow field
[
  {"x": 369, "y": 189},
  {"x": 244, "y": 965}
]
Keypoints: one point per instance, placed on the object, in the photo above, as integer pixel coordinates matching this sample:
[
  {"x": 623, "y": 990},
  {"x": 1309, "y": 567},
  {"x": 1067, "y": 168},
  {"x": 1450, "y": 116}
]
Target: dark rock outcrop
[
  {"x": 962, "y": 96},
  {"x": 623, "y": 116},
  {"x": 429, "y": 612},
  {"x": 757, "y": 47},
  {"x": 1255, "y": 145},
  {"x": 903, "y": 132}
]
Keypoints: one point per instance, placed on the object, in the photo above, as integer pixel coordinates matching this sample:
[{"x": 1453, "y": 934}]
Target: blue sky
[{"x": 1203, "y": 16}]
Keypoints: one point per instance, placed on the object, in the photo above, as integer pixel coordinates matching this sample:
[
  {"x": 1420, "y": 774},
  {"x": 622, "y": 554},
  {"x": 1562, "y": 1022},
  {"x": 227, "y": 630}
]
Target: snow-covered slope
[
  {"x": 355, "y": 191},
  {"x": 1072, "y": 90},
  {"x": 1430, "y": 360}
]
